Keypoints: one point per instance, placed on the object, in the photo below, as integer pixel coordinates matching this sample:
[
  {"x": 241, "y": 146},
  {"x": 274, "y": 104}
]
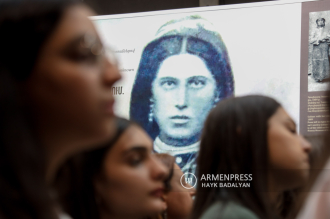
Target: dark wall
[
  {"x": 228, "y": 2},
  {"x": 104, "y": 7},
  {"x": 130, "y": 6}
]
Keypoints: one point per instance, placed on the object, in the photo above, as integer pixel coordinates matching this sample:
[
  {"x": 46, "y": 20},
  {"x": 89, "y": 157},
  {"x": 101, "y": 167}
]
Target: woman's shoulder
[{"x": 230, "y": 210}]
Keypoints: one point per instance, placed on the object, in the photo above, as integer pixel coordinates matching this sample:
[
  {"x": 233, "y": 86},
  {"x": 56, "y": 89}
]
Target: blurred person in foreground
[
  {"x": 122, "y": 180},
  {"x": 55, "y": 99},
  {"x": 317, "y": 204},
  {"x": 250, "y": 135},
  {"x": 179, "y": 201}
]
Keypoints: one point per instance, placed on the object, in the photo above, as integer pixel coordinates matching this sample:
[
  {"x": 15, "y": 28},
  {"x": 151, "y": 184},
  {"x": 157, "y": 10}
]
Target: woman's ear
[{"x": 216, "y": 97}]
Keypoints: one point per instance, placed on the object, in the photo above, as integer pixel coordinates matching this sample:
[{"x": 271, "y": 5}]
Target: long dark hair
[
  {"x": 201, "y": 44},
  {"x": 24, "y": 28},
  {"x": 75, "y": 180},
  {"x": 234, "y": 141}
]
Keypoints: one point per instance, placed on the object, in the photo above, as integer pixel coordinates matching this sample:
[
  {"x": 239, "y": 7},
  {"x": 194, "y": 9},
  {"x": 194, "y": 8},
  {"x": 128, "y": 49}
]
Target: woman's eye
[
  {"x": 135, "y": 160},
  {"x": 82, "y": 56},
  {"x": 87, "y": 58},
  {"x": 168, "y": 84},
  {"x": 294, "y": 131},
  {"x": 197, "y": 83}
]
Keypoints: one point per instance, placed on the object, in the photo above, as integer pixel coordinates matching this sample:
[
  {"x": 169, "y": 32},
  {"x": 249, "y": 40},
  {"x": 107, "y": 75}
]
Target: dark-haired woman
[
  {"x": 179, "y": 200},
  {"x": 169, "y": 162},
  {"x": 250, "y": 135},
  {"x": 55, "y": 99},
  {"x": 182, "y": 74},
  {"x": 124, "y": 179}
]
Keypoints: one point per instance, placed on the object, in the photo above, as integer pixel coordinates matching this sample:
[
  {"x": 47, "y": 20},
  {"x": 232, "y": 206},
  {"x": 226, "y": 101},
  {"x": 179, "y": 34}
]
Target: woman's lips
[
  {"x": 158, "y": 192},
  {"x": 180, "y": 119}
]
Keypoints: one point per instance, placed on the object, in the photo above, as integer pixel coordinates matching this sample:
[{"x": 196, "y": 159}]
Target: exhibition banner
[
  {"x": 314, "y": 78},
  {"x": 178, "y": 64}
]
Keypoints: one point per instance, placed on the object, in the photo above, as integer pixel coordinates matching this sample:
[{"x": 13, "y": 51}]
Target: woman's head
[
  {"x": 179, "y": 201},
  {"x": 183, "y": 73},
  {"x": 53, "y": 87},
  {"x": 320, "y": 22},
  {"x": 288, "y": 153},
  {"x": 183, "y": 93},
  {"x": 64, "y": 79},
  {"x": 131, "y": 181},
  {"x": 69, "y": 89},
  {"x": 251, "y": 135},
  {"x": 122, "y": 179}
]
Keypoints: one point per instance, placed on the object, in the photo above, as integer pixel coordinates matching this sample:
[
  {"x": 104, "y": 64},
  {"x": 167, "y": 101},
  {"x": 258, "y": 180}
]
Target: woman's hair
[
  {"x": 317, "y": 20},
  {"x": 168, "y": 161},
  {"x": 75, "y": 180},
  {"x": 205, "y": 43},
  {"x": 234, "y": 141},
  {"x": 25, "y": 26}
]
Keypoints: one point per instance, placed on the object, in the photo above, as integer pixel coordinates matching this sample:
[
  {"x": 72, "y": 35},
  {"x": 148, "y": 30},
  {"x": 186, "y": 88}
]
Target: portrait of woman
[
  {"x": 320, "y": 40},
  {"x": 182, "y": 75},
  {"x": 318, "y": 51}
]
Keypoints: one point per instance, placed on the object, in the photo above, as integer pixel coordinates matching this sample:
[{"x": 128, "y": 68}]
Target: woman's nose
[
  {"x": 181, "y": 97},
  {"x": 159, "y": 170},
  {"x": 306, "y": 145},
  {"x": 111, "y": 73}
]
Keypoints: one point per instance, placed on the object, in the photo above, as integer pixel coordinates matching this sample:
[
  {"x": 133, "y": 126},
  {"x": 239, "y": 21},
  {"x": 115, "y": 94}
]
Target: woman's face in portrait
[
  {"x": 184, "y": 91},
  {"x": 69, "y": 90},
  {"x": 288, "y": 152},
  {"x": 320, "y": 23},
  {"x": 132, "y": 180},
  {"x": 179, "y": 200}
]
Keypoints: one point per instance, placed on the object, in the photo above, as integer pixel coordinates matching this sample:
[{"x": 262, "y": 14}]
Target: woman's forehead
[
  {"x": 75, "y": 23},
  {"x": 183, "y": 66},
  {"x": 133, "y": 136}
]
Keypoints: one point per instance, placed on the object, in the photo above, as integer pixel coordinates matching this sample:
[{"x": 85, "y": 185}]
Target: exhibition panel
[{"x": 178, "y": 64}]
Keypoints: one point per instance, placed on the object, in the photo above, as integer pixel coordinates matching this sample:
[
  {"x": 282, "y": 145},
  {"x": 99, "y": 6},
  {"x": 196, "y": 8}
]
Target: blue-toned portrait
[{"x": 183, "y": 73}]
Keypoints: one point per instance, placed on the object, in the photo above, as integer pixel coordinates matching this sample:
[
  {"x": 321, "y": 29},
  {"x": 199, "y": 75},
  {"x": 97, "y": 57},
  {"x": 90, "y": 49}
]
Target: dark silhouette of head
[
  {"x": 234, "y": 141},
  {"x": 25, "y": 26}
]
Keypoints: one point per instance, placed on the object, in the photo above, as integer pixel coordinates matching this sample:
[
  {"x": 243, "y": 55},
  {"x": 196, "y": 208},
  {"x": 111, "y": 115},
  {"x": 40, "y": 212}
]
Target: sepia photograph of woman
[
  {"x": 183, "y": 73},
  {"x": 319, "y": 41}
]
